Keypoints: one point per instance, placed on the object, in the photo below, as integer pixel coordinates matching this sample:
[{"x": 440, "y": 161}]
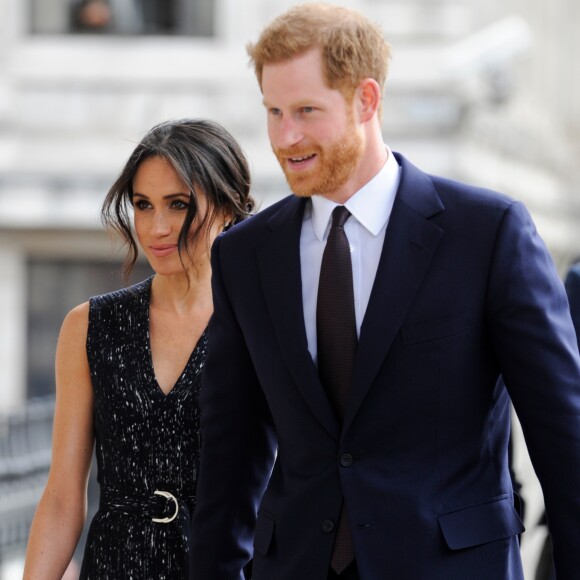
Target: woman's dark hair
[{"x": 207, "y": 158}]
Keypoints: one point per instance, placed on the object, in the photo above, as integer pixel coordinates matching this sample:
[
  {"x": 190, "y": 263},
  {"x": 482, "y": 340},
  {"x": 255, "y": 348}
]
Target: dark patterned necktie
[{"x": 337, "y": 342}]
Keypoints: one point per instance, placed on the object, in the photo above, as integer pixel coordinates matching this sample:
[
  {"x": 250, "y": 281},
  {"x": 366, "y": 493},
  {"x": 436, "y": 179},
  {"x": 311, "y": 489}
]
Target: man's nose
[{"x": 287, "y": 134}]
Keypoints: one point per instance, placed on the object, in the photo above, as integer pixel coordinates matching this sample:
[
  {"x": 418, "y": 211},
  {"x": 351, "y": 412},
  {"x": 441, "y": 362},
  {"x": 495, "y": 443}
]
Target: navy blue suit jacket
[{"x": 465, "y": 290}]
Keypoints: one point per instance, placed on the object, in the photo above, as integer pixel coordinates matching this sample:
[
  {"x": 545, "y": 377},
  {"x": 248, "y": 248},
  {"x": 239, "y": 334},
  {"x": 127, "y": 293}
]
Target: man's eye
[{"x": 307, "y": 109}]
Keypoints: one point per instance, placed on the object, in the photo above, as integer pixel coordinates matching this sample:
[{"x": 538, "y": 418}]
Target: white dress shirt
[{"x": 371, "y": 208}]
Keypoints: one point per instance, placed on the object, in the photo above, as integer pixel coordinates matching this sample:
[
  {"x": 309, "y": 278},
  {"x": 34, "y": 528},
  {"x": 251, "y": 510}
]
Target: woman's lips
[{"x": 163, "y": 250}]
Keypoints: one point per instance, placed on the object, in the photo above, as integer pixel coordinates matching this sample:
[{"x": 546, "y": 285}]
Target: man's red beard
[{"x": 335, "y": 164}]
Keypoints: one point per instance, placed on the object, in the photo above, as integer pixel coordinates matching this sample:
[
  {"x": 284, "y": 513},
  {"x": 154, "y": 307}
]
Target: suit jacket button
[
  {"x": 346, "y": 460},
  {"x": 327, "y": 526}
]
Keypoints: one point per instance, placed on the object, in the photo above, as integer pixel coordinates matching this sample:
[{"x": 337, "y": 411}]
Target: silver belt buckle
[{"x": 167, "y": 495}]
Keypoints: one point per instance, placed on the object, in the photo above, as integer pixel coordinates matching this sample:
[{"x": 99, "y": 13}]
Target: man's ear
[{"x": 368, "y": 94}]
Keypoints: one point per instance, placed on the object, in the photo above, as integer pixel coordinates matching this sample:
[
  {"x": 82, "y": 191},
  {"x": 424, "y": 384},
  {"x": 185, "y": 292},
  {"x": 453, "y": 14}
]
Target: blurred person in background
[
  {"x": 107, "y": 16},
  {"x": 572, "y": 284},
  {"x": 366, "y": 321},
  {"x": 128, "y": 366},
  {"x": 91, "y": 16}
]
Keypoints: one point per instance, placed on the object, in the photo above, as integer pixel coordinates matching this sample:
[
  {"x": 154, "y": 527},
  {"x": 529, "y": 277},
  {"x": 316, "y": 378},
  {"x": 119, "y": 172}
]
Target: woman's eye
[
  {"x": 142, "y": 204},
  {"x": 178, "y": 204}
]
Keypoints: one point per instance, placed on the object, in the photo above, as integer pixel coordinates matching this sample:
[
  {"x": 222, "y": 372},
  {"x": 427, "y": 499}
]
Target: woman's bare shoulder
[{"x": 75, "y": 324}]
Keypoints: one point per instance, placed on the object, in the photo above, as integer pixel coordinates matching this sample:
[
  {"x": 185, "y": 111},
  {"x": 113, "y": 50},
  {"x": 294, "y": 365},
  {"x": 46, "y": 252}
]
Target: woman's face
[{"x": 160, "y": 202}]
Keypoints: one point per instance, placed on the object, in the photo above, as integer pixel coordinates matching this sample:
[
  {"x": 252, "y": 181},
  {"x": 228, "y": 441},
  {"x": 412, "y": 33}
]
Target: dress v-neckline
[
  {"x": 146, "y": 304},
  {"x": 187, "y": 364}
]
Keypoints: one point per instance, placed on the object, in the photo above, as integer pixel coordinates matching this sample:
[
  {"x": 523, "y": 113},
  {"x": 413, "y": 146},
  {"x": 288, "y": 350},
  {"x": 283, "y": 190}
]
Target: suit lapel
[
  {"x": 410, "y": 243},
  {"x": 279, "y": 263}
]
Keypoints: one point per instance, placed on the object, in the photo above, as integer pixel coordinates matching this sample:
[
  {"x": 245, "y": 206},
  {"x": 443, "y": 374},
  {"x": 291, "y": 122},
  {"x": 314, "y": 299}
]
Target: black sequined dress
[{"x": 146, "y": 442}]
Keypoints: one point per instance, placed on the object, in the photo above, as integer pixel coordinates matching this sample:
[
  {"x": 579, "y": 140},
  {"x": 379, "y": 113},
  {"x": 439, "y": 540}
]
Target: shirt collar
[{"x": 371, "y": 205}]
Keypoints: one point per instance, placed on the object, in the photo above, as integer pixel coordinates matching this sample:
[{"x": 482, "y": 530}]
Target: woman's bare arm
[{"x": 61, "y": 512}]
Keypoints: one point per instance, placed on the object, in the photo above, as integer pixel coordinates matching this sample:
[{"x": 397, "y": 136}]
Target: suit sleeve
[
  {"x": 238, "y": 446},
  {"x": 535, "y": 344}
]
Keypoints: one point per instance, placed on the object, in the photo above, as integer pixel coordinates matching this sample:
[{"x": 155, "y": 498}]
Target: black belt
[{"x": 161, "y": 506}]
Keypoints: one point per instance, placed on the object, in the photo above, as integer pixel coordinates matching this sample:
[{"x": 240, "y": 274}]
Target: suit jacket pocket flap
[
  {"x": 437, "y": 329},
  {"x": 264, "y": 532},
  {"x": 480, "y": 524}
]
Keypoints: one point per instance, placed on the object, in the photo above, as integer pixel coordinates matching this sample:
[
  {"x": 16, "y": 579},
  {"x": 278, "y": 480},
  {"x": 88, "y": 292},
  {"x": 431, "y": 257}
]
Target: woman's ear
[
  {"x": 368, "y": 94},
  {"x": 227, "y": 221}
]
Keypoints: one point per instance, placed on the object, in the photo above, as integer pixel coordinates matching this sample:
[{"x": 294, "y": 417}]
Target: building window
[
  {"x": 123, "y": 17},
  {"x": 54, "y": 288}
]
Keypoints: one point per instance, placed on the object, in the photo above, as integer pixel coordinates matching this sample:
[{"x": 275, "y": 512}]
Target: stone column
[{"x": 13, "y": 325}]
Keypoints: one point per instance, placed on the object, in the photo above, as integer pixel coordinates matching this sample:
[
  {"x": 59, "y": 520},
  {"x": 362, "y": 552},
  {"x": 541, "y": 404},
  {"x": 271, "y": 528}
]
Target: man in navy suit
[{"x": 452, "y": 287}]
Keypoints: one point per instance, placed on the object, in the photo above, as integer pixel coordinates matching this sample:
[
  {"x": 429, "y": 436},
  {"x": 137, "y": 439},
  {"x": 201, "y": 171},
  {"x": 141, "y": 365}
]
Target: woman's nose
[{"x": 161, "y": 225}]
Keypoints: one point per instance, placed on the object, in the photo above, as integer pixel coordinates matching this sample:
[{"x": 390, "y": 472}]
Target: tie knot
[{"x": 339, "y": 216}]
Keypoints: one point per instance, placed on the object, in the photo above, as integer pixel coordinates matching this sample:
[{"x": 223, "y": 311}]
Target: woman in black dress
[{"x": 128, "y": 366}]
